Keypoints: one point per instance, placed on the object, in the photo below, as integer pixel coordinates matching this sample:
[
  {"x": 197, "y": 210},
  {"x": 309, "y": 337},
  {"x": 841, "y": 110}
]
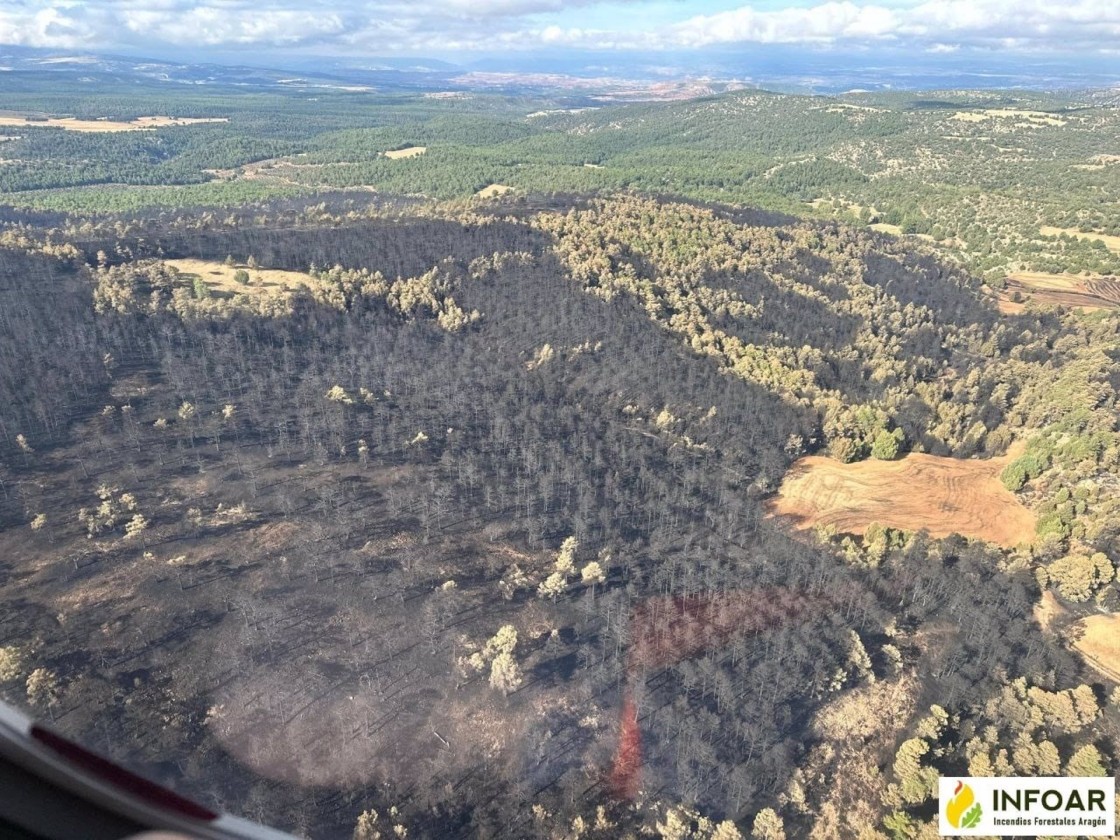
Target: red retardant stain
[
  {"x": 670, "y": 629},
  {"x": 626, "y": 771}
]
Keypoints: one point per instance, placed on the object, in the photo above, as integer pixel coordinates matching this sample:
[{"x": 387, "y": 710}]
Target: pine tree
[{"x": 768, "y": 826}]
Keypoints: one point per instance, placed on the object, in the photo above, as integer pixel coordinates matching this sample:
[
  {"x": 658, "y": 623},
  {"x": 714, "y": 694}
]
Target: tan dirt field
[
  {"x": 1110, "y": 242},
  {"x": 940, "y": 495},
  {"x": 410, "y": 152},
  {"x": 1100, "y": 644},
  {"x": 1087, "y": 293},
  {"x": 219, "y": 277},
  {"x": 138, "y": 124},
  {"x": 493, "y": 190}
]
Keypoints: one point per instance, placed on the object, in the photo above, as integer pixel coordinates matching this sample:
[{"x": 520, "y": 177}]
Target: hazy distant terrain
[
  {"x": 611, "y": 74},
  {"x": 1005, "y": 182}
]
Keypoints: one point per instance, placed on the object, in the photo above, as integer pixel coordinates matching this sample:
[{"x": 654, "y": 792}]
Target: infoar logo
[
  {"x": 963, "y": 811},
  {"x": 1017, "y": 806}
]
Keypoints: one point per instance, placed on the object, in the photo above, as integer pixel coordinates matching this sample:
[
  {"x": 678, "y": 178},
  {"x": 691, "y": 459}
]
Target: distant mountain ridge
[{"x": 773, "y": 67}]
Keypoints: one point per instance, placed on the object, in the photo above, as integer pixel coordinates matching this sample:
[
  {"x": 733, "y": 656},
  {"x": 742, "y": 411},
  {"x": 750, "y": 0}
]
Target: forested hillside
[
  {"x": 348, "y": 514},
  {"x": 1001, "y": 182}
]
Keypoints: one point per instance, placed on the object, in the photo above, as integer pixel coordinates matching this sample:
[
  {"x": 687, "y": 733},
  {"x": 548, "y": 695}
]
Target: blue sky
[{"x": 456, "y": 28}]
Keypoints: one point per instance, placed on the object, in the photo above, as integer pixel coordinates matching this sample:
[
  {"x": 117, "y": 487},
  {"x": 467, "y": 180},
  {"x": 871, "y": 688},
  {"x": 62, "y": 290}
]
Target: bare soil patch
[
  {"x": 1100, "y": 643},
  {"x": 1088, "y": 293},
  {"x": 102, "y": 126},
  {"x": 920, "y": 492},
  {"x": 410, "y": 152}
]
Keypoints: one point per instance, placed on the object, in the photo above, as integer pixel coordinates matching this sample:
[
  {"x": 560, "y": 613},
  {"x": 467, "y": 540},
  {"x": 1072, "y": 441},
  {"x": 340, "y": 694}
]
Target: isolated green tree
[{"x": 887, "y": 445}]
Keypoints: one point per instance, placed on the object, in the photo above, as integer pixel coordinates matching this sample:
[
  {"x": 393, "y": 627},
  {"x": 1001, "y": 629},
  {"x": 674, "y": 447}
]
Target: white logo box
[{"x": 1023, "y": 806}]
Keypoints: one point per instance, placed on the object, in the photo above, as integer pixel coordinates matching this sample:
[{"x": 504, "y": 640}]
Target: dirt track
[{"x": 940, "y": 495}]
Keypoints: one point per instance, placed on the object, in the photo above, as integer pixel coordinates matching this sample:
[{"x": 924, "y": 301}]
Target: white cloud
[
  {"x": 48, "y": 26},
  {"x": 435, "y": 26},
  {"x": 216, "y": 25},
  {"x": 824, "y": 23},
  {"x": 1072, "y": 24}
]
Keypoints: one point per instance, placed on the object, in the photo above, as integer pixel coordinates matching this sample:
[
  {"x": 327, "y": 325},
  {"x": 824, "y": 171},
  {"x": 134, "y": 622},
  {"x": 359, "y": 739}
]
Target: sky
[{"x": 456, "y": 28}]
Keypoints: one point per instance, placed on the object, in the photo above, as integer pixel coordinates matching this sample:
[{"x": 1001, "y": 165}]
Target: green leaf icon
[{"x": 972, "y": 818}]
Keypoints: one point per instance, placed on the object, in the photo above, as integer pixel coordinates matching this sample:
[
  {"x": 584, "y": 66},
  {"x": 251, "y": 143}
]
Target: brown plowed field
[
  {"x": 1105, "y": 288},
  {"x": 1088, "y": 293},
  {"x": 940, "y": 495}
]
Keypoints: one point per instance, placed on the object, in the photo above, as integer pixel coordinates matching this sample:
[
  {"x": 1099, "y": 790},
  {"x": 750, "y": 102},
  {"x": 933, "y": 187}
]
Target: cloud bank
[{"x": 435, "y": 27}]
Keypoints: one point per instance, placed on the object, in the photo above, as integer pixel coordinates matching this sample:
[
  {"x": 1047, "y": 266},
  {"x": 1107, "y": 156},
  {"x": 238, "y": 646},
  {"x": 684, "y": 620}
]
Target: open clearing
[
  {"x": 1100, "y": 644},
  {"x": 1088, "y": 293},
  {"x": 1110, "y": 242},
  {"x": 884, "y": 227},
  {"x": 410, "y": 152},
  {"x": 1032, "y": 117},
  {"x": 493, "y": 190},
  {"x": 138, "y": 124},
  {"x": 920, "y": 492},
  {"x": 220, "y": 277}
]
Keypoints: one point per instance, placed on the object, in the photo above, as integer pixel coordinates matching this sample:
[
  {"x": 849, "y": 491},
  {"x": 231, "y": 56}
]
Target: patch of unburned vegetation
[
  {"x": 105, "y": 125},
  {"x": 1087, "y": 293},
  {"x": 407, "y": 152},
  {"x": 1100, "y": 643},
  {"x": 920, "y": 492}
]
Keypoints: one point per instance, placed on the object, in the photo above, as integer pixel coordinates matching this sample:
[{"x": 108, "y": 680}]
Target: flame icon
[{"x": 963, "y": 811}]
